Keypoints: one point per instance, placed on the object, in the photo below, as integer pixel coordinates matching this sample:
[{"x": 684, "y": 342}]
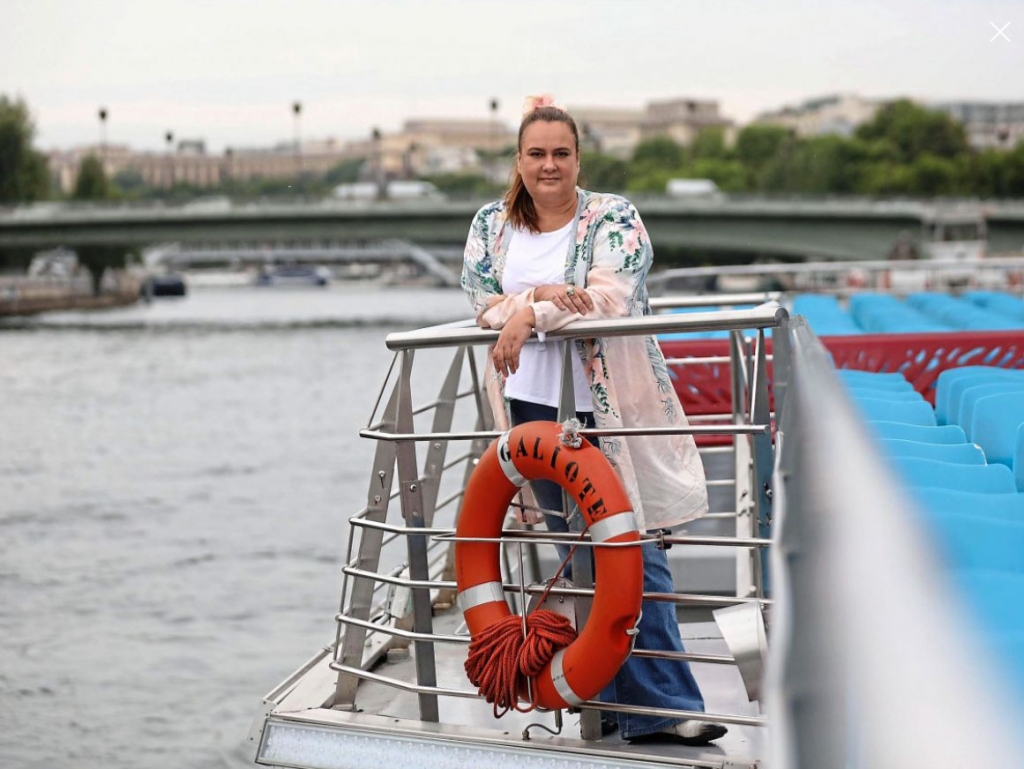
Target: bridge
[{"x": 795, "y": 228}]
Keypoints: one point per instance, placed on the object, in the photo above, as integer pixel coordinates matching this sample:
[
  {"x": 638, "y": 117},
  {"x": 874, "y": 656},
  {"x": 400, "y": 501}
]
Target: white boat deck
[{"x": 386, "y": 710}]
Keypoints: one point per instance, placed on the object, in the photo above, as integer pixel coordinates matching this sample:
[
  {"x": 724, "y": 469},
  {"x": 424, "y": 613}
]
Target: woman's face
[{"x": 548, "y": 162}]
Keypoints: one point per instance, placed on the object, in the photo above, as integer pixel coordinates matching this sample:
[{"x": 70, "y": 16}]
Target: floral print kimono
[{"x": 629, "y": 381}]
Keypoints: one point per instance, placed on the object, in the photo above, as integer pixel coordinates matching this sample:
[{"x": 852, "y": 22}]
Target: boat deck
[{"x": 382, "y": 708}]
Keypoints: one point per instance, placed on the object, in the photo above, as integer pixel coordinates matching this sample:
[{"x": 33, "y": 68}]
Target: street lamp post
[
  {"x": 103, "y": 137},
  {"x": 297, "y": 113},
  {"x": 493, "y": 165},
  {"x": 378, "y": 154},
  {"x": 169, "y": 142}
]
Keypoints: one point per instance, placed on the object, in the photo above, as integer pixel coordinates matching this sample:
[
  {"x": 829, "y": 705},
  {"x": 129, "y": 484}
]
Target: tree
[
  {"x": 729, "y": 175},
  {"x": 603, "y": 172},
  {"x": 757, "y": 144},
  {"x": 934, "y": 175},
  {"x": 97, "y": 259},
  {"x": 660, "y": 152},
  {"x": 915, "y": 131},
  {"x": 346, "y": 171},
  {"x": 24, "y": 175},
  {"x": 92, "y": 180},
  {"x": 129, "y": 182},
  {"x": 709, "y": 144}
]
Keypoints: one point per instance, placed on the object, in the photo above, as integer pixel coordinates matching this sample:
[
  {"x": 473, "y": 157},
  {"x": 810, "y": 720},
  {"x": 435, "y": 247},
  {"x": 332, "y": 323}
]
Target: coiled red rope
[{"x": 500, "y": 657}]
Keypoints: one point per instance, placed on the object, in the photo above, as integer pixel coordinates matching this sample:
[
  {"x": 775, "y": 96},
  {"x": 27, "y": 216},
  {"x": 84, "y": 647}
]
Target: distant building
[
  {"x": 612, "y": 131},
  {"x": 989, "y": 125},
  {"x": 189, "y": 164},
  {"x": 838, "y": 114},
  {"x": 683, "y": 119},
  {"x": 617, "y": 131},
  {"x": 426, "y": 146}
]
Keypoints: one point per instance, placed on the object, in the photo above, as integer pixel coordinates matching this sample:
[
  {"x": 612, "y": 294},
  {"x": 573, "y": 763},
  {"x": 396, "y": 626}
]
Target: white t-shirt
[{"x": 538, "y": 259}]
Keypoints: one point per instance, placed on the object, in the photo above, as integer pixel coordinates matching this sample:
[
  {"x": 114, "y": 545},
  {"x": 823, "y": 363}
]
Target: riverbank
[{"x": 32, "y": 295}]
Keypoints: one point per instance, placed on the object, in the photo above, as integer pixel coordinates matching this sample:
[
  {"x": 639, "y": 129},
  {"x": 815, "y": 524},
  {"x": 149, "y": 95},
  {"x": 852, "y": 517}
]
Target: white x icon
[{"x": 999, "y": 32}]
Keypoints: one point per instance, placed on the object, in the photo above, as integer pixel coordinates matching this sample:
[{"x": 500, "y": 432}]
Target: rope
[
  {"x": 571, "y": 433},
  {"x": 500, "y": 657}
]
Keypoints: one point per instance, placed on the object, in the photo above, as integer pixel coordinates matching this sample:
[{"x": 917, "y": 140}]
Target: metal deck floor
[{"x": 384, "y": 707}]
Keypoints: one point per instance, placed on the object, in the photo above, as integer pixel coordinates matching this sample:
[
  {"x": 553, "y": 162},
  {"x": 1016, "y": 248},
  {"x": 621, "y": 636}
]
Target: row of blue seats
[
  {"x": 922, "y": 312},
  {"x": 973, "y": 504}
]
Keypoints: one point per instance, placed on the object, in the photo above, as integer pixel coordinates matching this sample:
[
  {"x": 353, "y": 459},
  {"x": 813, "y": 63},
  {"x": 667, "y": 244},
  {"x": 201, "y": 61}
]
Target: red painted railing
[{"x": 704, "y": 388}]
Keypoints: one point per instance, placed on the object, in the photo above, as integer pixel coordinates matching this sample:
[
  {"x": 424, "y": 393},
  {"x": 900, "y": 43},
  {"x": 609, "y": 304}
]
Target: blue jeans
[
  {"x": 640, "y": 680},
  {"x": 549, "y": 493}
]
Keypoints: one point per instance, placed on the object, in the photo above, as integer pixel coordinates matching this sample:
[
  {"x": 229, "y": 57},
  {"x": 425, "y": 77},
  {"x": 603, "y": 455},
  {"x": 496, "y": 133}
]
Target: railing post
[
  {"x": 419, "y": 567},
  {"x": 582, "y": 559},
  {"x": 762, "y": 455},
  {"x": 353, "y": 639},
  {"x": 747, "y": 570},
  {"x": 436, "y": 452}
]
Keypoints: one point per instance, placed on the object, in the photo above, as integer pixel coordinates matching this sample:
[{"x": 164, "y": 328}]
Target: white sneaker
[{"x": 689, "y": 732}]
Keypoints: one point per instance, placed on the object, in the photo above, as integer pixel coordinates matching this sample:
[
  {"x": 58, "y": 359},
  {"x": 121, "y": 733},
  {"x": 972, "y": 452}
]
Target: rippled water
[{"x": 174, "y": 484}]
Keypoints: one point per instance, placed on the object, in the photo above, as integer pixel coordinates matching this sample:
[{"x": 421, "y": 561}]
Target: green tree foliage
[
  {"x": 915, "y": 131},
  {"x": 464, "y": 185},
  {"x": 709, "y": 144},
  {"x": 603, "y": 172},
  {"x": 346, "y": 172},
  {"x": 729, "y": 175},
  {"x": 757, "y": 144},
  {"x": 97, "y": 259},
  {"x": 92, "y": 180},
  {"x": 24, "y": 175},
  {"x": 660, "y": 151},
  {"x": 128, "y": 182}
]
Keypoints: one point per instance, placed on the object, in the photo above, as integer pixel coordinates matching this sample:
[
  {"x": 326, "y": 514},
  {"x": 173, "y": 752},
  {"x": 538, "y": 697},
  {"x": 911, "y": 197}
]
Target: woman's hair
[{"x": 518, "y": 202}]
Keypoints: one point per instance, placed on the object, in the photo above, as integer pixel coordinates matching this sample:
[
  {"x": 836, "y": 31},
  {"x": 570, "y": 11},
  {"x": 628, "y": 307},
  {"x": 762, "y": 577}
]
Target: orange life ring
[{"x": 529, "y": 452}]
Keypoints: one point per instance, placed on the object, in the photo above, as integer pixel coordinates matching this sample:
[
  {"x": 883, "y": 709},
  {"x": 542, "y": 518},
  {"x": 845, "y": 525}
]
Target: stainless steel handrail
[
  {"x": 769, "y": 315},
  {"x": 921, "y": 265},
  {"x": 587, "y": 432}
]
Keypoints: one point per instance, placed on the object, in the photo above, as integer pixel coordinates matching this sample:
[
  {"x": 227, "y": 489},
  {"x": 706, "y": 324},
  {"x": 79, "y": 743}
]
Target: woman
[{"x": 544, "y": 256}]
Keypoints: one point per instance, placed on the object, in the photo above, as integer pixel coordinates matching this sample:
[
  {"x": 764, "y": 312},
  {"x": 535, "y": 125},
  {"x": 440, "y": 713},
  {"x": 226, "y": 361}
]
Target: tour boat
[{"x": 856, "y": 631}]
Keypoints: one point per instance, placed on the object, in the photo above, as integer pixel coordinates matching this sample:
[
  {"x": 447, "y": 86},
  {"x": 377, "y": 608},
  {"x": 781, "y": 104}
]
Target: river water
[{"x": 175, "y": 481}]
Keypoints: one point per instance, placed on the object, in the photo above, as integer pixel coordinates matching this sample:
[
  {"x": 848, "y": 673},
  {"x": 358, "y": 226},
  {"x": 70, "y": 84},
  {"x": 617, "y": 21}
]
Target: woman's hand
[
  {"x": 565, "y": 296},
  {"x": 513, "y": 336}
]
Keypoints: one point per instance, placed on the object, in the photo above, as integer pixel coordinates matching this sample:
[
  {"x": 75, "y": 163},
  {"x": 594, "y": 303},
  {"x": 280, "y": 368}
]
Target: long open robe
[{"x": 629, "y": 381}]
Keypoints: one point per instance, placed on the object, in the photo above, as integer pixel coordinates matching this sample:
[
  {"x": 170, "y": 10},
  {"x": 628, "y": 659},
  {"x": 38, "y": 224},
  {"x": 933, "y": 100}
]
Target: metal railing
[
  {"x": 395, "y": 576},
  {"x": 873, "y": 662},
  {"x": 851, "y": 276}
]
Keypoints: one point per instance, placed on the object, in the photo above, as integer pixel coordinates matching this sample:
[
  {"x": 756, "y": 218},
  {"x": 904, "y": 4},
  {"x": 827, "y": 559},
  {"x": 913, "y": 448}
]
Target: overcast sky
[{"x": 227, "y": 71}]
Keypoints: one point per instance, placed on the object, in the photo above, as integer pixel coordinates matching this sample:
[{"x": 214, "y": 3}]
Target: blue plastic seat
[
  {"x": 997, "y": 429},
  {"x": 963, "y": 453},
  {"x": 946, "y": 379},
  {"x": 956, "y": 389},
  {"x": 885, "y": 385},
  {"x": 920, "y": 433},
  {"x": 982, "y": 479},
  {"x": 1007, "y": 507},
  {"x": 970, "y": 397},
  {"x": 875, "y": 378},
  {"x": 996, "y": 596},
  {"x": 896, "y": 396},
  {"x": 980, "y": 543},
  {"x": 916, "y": 413}
]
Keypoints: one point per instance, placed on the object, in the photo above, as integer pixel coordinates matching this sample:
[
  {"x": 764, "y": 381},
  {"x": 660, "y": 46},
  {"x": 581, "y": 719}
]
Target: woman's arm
[{"x": 616, "y": 281}]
